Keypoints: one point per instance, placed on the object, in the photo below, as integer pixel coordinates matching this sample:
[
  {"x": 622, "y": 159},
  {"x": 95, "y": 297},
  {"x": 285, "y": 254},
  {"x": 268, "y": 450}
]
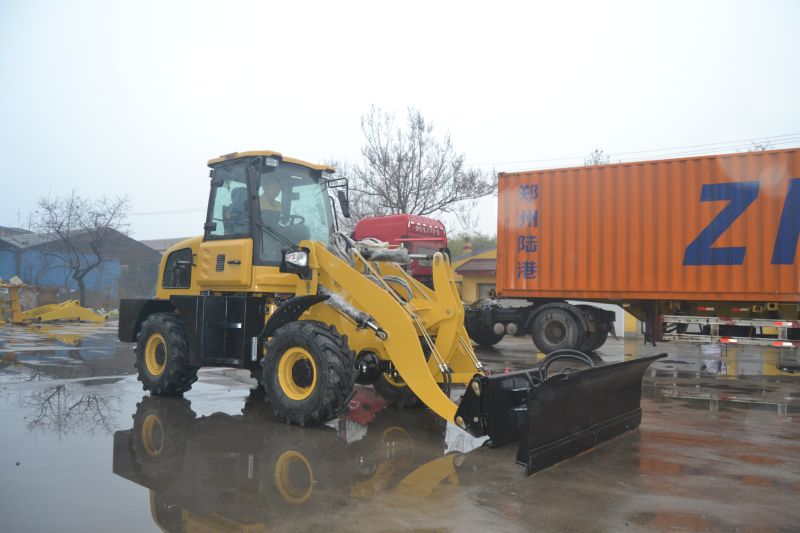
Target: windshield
[
  {"x": 290, "y": 200},
  {"x": 293, "y": 202}
]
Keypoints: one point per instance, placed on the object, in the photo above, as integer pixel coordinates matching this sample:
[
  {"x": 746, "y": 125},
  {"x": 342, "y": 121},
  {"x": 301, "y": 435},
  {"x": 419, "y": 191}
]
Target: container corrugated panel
[{"x": 719, "y": 227}]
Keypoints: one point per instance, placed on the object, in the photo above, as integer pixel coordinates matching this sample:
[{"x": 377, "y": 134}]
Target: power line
[
  {"x": 612, "y": 159},
  {"x": 774, "y": 140},
  {"x": 170, "y": 212}
]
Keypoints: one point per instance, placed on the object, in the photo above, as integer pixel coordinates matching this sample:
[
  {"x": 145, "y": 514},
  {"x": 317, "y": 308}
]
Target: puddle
[{"x": 717, "y": 450}]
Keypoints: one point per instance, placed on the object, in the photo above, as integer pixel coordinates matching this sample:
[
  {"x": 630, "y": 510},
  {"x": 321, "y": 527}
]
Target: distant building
[
  {"x": 476, "y": 273},
  {"x": 130, "y": 271},
  {"x": 8, "y": 232},
  {"x": 162, "y": 245}
]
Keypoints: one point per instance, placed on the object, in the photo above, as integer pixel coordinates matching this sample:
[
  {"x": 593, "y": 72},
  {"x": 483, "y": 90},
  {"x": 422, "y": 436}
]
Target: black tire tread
[
  {"x": 487, "y": 339},
  {"x": 594, "y": 341},
  {"x": 335, "y": 376},
  {"x": 179, "y": 374},
  {"x": 537, "y": 333}
]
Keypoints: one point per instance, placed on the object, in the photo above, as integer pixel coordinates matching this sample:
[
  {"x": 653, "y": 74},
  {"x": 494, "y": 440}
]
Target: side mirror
[
  {"x": 344, "y": 203},
  {"x": 210, "y": 226}
]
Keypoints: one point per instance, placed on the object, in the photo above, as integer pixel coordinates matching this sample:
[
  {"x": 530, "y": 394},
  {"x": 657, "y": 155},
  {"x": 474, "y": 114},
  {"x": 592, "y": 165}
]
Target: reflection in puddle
[
  {"x": 61, "y": 351},
  {"x": 64, "y": 410},
  {"x": 248, "y": 469}
]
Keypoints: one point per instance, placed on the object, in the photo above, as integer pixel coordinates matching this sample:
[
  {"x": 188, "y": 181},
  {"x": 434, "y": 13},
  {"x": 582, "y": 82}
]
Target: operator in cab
[{"x": 268, "y": 201}]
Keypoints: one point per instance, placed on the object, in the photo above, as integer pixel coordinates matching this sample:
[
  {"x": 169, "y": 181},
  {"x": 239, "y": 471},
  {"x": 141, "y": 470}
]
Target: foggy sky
[{"x": 132, "y": 98}]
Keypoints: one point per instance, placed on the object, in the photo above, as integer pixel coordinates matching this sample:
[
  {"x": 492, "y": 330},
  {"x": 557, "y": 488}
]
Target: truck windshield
[{"x": 293, "y": 202}]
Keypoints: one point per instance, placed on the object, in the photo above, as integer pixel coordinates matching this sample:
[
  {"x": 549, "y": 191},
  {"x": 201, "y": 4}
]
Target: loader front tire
[
  {"x": 162, "y": 356},
  {"x": 395, "y": 393},
  {"x": 309, "y": 373}
]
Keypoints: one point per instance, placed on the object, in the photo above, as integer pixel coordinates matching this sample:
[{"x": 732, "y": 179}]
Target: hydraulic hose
[{"x": 566, "y": 353}]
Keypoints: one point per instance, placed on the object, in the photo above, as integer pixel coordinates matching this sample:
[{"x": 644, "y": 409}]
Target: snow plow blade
[{"x": 558, "y": 417}]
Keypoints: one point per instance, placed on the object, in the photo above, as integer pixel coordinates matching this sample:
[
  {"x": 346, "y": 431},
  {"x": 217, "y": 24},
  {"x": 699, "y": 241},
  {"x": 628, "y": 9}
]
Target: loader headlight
[{"x": 298, "y": 258}]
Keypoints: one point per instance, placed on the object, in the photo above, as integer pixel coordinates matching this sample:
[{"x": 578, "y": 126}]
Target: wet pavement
[{"x": 82, "y": 448}]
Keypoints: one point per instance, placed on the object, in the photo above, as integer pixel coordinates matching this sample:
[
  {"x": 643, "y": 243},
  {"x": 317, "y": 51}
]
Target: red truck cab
[{"x": 421, "y": 235}]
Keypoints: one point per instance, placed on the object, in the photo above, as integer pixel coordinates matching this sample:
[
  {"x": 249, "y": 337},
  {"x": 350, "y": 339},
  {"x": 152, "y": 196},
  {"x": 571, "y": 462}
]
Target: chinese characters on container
[{"x": 528, "y": 243}]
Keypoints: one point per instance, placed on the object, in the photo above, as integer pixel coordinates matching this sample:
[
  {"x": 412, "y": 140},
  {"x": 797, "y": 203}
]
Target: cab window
[{"x": 229, "y": 213}]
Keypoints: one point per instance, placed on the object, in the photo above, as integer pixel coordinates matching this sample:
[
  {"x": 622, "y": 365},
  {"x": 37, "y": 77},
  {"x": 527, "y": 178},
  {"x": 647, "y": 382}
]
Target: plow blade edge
[
  {"x": 570, "y": 413},
  {"x": 556, "y": 418}
]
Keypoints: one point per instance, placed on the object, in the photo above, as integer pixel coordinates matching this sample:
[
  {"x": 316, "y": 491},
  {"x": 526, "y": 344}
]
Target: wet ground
[{"x": 83, "y": 449}]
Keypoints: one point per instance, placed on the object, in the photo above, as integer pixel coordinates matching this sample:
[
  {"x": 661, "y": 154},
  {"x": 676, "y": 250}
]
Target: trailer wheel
[
  {"x": 555, "y": 328},
  {"x": 162, "y": 356},
  {"x": 594, "y": 341},
  {"x": 597, "y": 338},
  {"x": 483, "y": 336},
  {"x": 396, "y": 393},
  {"x": 308, "y": 373},
  {"x": 487, "y": 338}
]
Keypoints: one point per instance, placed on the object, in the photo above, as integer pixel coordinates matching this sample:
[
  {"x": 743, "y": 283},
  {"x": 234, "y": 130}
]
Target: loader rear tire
[
  {"x": 555, "y": 328},
  {"x": 309, "y": 373},
  {"x": 162, "y": 356},
  {"x": 396, "y": 394}
]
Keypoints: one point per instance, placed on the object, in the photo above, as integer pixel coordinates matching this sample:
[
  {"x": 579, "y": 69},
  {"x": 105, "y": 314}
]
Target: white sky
[{"x": 132, "y": 98}]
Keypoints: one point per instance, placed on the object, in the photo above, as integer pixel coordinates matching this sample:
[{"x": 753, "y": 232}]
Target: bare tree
[
  {"x": 60, "y": 410},
  {"x": 596, "y": 158},
  {"x": 81, "y": 232},
  {"x": 407, "y": 169},
  {"x": 759, "y": 146}
]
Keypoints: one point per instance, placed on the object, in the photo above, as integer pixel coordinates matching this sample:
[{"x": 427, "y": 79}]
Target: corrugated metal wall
[{"x": 703, "y": 228}]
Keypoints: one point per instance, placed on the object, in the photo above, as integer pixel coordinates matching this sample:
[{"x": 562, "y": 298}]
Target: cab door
[{"x": 225, "y": 261}]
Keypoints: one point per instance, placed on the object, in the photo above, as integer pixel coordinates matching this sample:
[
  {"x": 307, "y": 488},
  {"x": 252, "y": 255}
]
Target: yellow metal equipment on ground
[
  {"x": 69, "y": 311},
  {"x": 273, "y": 287}
]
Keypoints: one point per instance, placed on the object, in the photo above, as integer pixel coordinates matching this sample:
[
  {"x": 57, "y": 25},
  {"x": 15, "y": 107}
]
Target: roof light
[{"x": 270, "y": 161}]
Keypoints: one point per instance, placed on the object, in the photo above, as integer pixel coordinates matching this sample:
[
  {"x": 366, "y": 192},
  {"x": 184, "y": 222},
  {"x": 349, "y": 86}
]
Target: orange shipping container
[{"x": 721, "y": 227}]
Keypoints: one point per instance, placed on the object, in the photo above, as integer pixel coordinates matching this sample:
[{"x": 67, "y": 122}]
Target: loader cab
[{"x": 260, "y": 204}]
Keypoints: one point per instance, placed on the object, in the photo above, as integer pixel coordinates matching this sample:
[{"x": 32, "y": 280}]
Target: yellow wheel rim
[
  {"x": 297, "y": 373},
  {"x": 155, "y": 354},
  {"x": 294, "y": 477},
  {"x": 393, "y": 382},
  {"x": 152, "y": 435}
]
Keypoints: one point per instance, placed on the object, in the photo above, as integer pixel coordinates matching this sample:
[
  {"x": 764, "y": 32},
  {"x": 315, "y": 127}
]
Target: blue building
[{"x": 129, "y": 268}]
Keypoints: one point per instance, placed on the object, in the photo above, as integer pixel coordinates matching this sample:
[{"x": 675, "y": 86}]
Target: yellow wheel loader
[{"x": 273, "y": 287}]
